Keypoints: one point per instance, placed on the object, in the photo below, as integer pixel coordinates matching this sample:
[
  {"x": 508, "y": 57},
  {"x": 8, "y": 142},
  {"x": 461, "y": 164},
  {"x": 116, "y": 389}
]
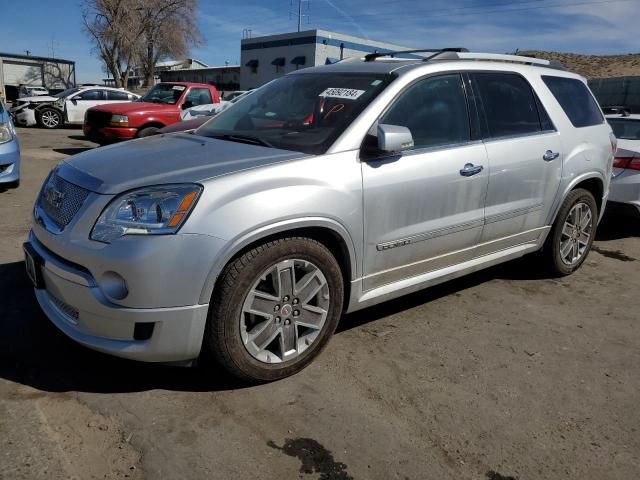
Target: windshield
[
  {"x": 67, "y": 92},
  {"x": 302, "y": 112},
  {"x": 164, "y": 93},
  {"x": 625, "y": 129}
]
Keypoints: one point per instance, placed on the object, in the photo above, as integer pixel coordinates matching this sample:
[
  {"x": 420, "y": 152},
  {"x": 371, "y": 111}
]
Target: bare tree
[
  {"x": 169, "y": 30},
  {"x": 115, "y": 28}
]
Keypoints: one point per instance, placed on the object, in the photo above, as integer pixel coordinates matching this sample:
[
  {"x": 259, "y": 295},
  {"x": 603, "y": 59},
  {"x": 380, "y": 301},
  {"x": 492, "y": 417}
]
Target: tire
[
  {"x": 560, "y": 261},
  {"x": 147, "y": 132},
  {"x": 230, "y": 327},
  {"x": 49, "y": 118}
]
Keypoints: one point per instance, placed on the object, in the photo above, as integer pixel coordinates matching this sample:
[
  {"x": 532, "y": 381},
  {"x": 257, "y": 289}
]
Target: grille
[
  {"x": 66, "y": 310},
  {"x": 61, "y": 200},
  {"x": 98, "y": 119}
]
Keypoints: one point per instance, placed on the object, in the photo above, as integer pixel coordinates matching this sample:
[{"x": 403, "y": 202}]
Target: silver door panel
[{"x": 418, "y": 207}]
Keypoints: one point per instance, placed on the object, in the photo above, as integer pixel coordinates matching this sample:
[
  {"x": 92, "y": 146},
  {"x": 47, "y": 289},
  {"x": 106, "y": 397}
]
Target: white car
[
  {"x": 625, "y": 184},
  {"x": 67, "y": 107},
  {"x": 32, "y": 91}
]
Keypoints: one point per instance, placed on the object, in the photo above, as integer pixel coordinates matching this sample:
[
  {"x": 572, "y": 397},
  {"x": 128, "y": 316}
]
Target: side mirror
[
  {"x": 187, "y": 104},
  {"x": 394, "y": 138}
]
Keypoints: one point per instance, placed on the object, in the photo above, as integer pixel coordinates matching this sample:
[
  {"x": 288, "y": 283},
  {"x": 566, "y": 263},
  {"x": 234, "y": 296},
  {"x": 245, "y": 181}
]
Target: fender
[
  {"x": 570, "y": 186},
  {"x": 232, "y": 247}
]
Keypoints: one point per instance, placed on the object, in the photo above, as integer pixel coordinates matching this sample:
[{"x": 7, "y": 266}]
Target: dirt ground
[{"x": 505, "y": 374}]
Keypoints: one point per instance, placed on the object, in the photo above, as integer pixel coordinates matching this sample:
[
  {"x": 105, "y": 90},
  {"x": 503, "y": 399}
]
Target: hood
[
  {"x": 131, "y": 107},
  {"x": 165, "y": 159},
  {"x": 38, "y": 99}
]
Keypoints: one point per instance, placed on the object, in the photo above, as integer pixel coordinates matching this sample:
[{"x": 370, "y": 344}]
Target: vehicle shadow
[
  {"x": 72, "y": 150},
  {"x": 33, "y": 352},
  {"x": 619, "y": 222}
]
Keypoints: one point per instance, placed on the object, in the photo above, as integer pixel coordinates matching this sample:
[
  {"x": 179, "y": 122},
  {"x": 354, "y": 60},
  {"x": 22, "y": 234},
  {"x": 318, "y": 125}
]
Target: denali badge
[{"x": 54, "y": 197}]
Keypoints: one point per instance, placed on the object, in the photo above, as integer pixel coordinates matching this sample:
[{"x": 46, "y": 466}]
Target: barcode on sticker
[{"x": 348, "y": 93}]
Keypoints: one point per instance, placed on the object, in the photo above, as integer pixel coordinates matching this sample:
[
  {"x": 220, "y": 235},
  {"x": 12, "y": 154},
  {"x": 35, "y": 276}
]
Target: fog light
[
  {"x": 143, "y": 330},
  {"x": 114, "y": 286}
]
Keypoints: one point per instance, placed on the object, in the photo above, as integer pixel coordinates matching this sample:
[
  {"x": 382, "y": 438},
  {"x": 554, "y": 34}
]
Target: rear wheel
[
  {"x": 573, "y": 232},
  {"x": 274, "y": 309},
  {"x": 49, "y": 117}
]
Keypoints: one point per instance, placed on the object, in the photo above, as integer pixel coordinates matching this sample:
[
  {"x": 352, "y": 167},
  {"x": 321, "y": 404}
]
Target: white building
[
  {"x": 269, "y": 57},
  {"x": 51, "y": 73}
]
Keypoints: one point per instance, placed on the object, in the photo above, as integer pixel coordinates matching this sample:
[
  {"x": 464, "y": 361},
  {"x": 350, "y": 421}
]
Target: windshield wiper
[{"x": 244, "y": 139}]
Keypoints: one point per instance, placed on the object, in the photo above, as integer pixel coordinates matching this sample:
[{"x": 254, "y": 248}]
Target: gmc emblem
[{"x": 54, "y": 197}]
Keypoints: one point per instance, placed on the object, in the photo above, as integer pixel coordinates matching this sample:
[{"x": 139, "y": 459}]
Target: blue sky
[{"x": 581, "y": 26}]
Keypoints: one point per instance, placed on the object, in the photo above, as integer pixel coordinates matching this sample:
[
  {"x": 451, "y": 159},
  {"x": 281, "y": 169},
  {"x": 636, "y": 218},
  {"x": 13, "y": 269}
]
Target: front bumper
[
  {"x": 80, "y": 310},
  {"x": 108, "y": 133},
  {"x": 10, "y": 162},
  {"x": 625, "y": 188},
  {"x": 25, "y": 117}
]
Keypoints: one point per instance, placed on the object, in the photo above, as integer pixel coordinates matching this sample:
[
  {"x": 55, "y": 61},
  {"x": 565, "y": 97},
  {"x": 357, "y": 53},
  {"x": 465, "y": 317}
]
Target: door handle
[
  {"x": 549, "y": 155},
  {"x": 470, "y": 169}
]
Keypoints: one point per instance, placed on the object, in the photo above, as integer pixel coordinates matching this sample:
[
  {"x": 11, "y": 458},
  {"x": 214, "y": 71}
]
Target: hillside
[{"x": 592, "y": 66}]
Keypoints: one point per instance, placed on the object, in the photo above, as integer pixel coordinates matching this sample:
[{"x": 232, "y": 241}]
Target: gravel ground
[{"x": 505, "y": 374}]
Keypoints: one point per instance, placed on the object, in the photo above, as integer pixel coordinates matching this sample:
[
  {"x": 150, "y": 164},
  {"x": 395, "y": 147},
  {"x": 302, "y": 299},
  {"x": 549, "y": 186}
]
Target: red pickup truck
[{"x": 159, "y": 107}]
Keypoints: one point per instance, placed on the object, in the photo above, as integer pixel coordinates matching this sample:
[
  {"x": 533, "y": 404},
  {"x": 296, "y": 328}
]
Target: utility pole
[{"x": 299, "y": 14}]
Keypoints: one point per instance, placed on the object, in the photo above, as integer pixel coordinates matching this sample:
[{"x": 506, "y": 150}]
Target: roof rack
[
  {"x": 464, "y": 54},
  {"x": 435, "y": 51}
]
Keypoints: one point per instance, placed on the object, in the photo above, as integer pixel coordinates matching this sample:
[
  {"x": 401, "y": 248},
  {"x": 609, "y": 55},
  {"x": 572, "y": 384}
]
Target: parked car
[
  {"x": 67, "y": 107},
  {"x": 159, "y": 107},
  {"x": 9, "y": 150},
  {"x": 26, "y": 91},
  {"x": 211, "y": 110},
  {"x": 625, "y": 185},
  {"x": 328, "y": 190}
]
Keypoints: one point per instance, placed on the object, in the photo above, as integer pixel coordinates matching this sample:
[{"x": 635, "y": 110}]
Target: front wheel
[
  {"x": 274, "y": 309},
  {"x": 573, "y": 233},
  {"x": 49, "y": 118}
]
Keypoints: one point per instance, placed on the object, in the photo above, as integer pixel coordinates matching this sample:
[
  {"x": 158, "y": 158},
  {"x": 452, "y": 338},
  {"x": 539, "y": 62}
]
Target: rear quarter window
[{"x": 576, "y": 100}]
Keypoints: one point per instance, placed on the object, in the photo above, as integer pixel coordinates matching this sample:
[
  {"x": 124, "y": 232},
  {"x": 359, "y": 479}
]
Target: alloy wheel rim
[
  {"x": 576, "y": 233},
  {"x": 284, "y": 311},
  {"x": 50, "y": 119}
]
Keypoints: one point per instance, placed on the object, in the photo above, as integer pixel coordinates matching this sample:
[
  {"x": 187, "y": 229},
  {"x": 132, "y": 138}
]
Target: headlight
[
  {"x": 5, "y": 133},
  {"x": 119, "y": 121},
  {"x": 157, "y": 210}
]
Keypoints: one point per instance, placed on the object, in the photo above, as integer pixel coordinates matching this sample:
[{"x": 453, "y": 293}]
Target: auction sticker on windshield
[
  {"x": 348, "y": 93},
  {"x": 179, "y": 87}
]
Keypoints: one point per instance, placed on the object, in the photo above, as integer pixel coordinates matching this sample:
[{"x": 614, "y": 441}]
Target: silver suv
[{"x": 329, "y": 190}]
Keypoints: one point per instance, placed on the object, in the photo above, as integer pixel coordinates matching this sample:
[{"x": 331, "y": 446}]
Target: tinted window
[
  {"x": 120, "y": 96},
  {"x": 576, "y": 100},
  {"x": 89, "y": 95},
  {"x": 199, "y": 96},
  {"x": 625, "y": 129},
  {"x": 434, "y": 110},
  {"x": 509, "y": 104}
]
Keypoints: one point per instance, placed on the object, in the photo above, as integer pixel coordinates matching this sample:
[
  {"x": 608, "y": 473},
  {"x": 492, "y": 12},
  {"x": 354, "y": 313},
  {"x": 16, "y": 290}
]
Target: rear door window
[
  {"x": 118, "y": 96},
  {"x": 576, "y": 100},
  {"x": 510, "y": 105},
  {"x": 199, "y": 96},
  {"x": 434, "y": 110}
]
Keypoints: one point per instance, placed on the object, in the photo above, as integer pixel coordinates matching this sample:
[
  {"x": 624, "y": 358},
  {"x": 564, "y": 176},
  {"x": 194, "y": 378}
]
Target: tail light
[{"x": 631, "y": 163}]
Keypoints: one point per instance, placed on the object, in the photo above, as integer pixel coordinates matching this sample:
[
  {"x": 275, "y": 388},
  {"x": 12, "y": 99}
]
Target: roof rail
[
  {"x": 435, "y": 51},
  {"x": 504, "y": 58}
]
